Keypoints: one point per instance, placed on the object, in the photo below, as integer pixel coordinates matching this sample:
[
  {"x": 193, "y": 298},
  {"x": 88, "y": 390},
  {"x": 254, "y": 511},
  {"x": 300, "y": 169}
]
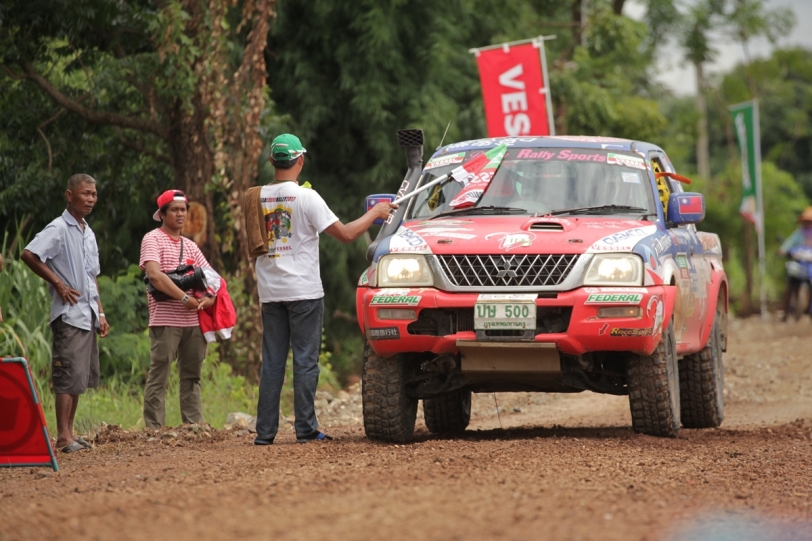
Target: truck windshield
[{"x": 544, "y": 180}]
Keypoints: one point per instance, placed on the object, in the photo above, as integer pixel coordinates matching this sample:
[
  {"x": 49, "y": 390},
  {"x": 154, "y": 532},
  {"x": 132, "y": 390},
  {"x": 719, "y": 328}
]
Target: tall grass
[{"x": 124, "y": 355}]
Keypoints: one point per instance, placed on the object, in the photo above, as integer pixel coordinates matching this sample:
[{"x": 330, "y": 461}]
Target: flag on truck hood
[{"x": 475, "y": 174}]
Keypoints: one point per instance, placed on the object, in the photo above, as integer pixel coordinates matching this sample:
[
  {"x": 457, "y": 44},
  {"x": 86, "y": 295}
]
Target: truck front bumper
[{"x": 430, "y": 320}]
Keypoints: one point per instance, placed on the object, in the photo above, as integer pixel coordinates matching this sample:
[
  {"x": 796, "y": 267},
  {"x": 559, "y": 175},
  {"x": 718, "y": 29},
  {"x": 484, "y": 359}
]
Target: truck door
[{"x": 693, "y": 270}]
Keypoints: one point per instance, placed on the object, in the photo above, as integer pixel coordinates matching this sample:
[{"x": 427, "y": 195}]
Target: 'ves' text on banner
[{"x": 514, "y": 90}]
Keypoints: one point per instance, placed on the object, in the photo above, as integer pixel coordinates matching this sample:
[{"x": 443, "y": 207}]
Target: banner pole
[
  {"x": 762, "y": 263},
  {"x": 409, "y": 195},
  {"x": 547, "y": 94}
]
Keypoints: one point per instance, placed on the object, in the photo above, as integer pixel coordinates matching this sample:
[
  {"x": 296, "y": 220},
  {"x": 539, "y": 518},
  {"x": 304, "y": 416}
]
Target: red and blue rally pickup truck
[{"x": 579, "y": 268}]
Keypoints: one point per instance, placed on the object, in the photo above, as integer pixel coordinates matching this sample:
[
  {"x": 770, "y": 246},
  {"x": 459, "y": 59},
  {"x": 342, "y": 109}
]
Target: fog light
[
  {"x": 396, "y": 313},
  {"x": 619, "y": 311}
]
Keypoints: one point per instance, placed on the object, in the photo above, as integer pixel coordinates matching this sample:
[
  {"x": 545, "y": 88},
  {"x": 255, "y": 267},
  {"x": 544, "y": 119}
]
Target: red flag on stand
[{"x": 24, "y": 439}]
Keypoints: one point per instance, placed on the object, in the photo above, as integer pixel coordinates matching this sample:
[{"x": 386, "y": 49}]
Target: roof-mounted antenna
[{"x": 444, "y": 134}]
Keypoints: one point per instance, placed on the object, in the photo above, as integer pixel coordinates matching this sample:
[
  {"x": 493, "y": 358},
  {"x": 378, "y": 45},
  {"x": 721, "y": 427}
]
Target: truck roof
[{"x": 557, "y": 141}]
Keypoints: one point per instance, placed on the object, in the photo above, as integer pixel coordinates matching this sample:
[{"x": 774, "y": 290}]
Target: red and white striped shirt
[{"x": 158, "y": 246}]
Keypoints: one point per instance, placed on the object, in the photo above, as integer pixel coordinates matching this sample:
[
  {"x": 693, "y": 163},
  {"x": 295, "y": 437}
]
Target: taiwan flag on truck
[
  {"x": 690, "y": 204},
  {"x": 475, "y": 175}
]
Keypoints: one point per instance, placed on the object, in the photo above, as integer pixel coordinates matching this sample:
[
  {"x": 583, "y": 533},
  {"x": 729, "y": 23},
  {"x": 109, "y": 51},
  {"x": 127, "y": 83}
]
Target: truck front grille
[
  {"x": 507, "y": 270},
  {"x": 445, "y": 321}
]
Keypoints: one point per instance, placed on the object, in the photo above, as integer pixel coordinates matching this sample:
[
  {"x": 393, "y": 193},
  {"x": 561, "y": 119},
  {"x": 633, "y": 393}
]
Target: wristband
[
  {"x": 184, "y": 299},
  {"x": 101, "y": 314}
]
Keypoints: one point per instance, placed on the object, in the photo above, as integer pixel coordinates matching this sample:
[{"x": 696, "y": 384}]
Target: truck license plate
[{"x": 505, "y": 312}]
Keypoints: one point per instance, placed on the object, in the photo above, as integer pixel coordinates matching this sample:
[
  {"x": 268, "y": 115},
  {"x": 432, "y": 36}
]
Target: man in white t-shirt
[{"x": 290, "y": 288}]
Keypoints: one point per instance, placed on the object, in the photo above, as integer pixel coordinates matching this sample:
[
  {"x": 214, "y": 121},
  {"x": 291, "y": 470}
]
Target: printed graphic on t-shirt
[
  {"x": 279, "y": 225},
  {"x": 294, "y": 217}
]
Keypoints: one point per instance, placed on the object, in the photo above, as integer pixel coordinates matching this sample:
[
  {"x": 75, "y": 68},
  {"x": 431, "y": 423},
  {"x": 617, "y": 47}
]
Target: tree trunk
[
  {"x": 236, "y": 103},
  {"x": 193, "y": 165},
  {"x": 577, "y": 15},
  {"x": 702, "y": 145}
]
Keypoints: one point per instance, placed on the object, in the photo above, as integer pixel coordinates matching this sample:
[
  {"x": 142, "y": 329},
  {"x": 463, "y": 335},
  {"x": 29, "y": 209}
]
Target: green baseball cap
[{"x": 286, "y": 147}]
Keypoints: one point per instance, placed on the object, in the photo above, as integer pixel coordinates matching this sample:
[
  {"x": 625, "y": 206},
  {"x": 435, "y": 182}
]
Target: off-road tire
[
  {"x": 653, "y": 383},
  {"x": 448, "y": 413},
  {"x": 389, "y": 413},
  {"x": 701, "y": 384},
  {"x": 800, "y": 301}
]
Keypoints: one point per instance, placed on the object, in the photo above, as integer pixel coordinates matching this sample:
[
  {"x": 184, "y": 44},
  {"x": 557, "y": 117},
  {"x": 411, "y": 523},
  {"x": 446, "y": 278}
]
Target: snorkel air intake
[{"x": 412, "y": 143}]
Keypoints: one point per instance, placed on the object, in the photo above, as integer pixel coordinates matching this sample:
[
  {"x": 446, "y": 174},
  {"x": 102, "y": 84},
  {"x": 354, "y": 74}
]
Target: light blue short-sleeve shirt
[{"x": 73, "y": 255}]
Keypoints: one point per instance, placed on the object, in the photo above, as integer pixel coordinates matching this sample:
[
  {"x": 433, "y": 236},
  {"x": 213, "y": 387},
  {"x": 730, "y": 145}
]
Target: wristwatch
[{"x": 184, "y": 299}]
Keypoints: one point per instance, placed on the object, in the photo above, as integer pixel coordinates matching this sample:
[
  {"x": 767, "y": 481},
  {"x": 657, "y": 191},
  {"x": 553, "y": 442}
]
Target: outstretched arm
[{"x": 347, "y": 233}]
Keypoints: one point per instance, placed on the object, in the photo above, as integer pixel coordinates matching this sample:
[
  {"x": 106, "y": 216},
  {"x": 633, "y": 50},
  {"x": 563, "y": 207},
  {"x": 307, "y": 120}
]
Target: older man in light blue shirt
[{"x": 65, "y": 254}]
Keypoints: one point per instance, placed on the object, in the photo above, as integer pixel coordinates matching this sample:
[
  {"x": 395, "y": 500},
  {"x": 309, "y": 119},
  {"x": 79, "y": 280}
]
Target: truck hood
[{"x": 518, "y": 235}]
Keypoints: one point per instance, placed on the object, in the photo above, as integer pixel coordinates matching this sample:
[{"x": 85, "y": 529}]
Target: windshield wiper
[
  {"x": 603, "y": 209},
  {"x": 487, "y": 209}
]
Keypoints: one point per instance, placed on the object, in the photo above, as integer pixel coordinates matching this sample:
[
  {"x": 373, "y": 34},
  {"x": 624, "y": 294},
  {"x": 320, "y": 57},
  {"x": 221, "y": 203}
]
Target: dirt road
[{"x": 562, "y": 467}]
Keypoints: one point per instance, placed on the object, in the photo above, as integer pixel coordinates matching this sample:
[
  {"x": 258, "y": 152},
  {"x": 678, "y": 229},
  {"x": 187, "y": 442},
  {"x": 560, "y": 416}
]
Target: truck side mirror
[
  {"x": 686, "y": 208},
  {"x": 374, "y": 199}
]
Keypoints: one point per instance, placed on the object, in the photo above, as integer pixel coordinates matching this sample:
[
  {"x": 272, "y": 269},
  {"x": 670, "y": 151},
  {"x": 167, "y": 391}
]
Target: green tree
[
  {"x": 603, "y": 89},
  {"x": 784, "y": 83},
  {"x": 699, "y": 50},
  {"x": 182, "y": 82}
]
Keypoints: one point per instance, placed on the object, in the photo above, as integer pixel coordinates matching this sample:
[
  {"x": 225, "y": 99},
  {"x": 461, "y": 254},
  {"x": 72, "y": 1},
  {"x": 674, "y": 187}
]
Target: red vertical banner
[{"x": 514, "y": 90}]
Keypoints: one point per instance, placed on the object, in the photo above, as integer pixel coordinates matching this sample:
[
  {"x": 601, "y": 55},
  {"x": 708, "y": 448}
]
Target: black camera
[{"x": 186, "y": 277}]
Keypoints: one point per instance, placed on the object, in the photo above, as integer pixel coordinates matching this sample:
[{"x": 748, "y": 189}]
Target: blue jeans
[{"x": 295, "y": 324}]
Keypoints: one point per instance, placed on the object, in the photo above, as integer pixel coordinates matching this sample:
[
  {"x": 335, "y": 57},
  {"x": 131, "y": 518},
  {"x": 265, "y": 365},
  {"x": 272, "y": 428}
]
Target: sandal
[
  {"x": 84, "y": 442},
  {"x": 73, "y": 447}
]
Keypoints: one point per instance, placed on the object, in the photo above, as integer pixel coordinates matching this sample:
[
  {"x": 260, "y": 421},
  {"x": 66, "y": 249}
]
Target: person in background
[
  {"x": 174, "y": 324},
  {"x": 65, "y": 255},
  {"x": 290, "y": 288},
  {"x": 802, "y": 236},
  {"x": 799, "y": 241}
]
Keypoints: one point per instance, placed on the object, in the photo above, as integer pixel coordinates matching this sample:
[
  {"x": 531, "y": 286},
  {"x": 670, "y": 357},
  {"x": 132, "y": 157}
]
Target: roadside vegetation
[{"x": 123, "y": 355}]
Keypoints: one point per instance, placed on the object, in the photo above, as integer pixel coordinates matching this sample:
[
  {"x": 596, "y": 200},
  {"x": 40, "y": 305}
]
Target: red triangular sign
[{"x": 24, "y": 439}]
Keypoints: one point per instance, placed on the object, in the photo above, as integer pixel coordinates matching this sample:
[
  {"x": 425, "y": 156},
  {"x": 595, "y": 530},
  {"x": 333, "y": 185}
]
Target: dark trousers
[{"x": 295, "y": 324}]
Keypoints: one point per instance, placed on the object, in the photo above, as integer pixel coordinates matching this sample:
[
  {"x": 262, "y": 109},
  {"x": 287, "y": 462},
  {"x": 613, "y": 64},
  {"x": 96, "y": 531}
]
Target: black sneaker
[
  {"x": 262, "y": 441},
  {"x": 315, "y": 436}
]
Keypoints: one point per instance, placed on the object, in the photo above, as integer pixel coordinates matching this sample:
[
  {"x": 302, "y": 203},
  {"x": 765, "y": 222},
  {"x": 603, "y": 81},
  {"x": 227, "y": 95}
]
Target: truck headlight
[
  {"x": 614, "y": 270},
  {"x": 404, "y": 270}
]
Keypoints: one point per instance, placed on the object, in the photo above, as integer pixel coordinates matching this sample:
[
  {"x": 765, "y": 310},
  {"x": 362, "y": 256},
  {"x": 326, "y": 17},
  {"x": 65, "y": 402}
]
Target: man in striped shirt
[{"x": 174, "y": 325}]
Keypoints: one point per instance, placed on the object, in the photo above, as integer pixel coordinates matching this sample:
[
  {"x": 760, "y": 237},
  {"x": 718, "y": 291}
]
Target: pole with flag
[
  {"x": 474, "y": 176},
  {"x": 748, "y": 134}
]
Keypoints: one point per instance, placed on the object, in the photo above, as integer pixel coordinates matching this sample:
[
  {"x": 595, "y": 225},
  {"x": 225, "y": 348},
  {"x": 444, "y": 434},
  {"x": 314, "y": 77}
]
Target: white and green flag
[{"x": 746, "y": 126}]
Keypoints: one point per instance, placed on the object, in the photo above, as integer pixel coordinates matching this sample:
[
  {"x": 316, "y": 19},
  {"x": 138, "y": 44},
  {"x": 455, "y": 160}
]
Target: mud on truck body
[{"x": 580, "y": 268}]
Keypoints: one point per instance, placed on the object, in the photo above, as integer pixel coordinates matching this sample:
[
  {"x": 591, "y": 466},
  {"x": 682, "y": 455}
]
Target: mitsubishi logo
[{"x": 505, "y": 266}]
